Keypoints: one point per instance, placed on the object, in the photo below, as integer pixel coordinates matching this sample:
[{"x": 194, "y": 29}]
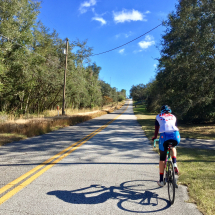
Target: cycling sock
[
  {"x": 174, "y": 159},
  {"x": 161, "y": 176}
]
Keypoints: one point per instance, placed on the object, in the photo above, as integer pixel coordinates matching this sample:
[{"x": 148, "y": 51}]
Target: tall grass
[
  {"x": 44, "y": 125},
  {"x": 4, "y": 117},
  {"x": 13, "y": 130}
]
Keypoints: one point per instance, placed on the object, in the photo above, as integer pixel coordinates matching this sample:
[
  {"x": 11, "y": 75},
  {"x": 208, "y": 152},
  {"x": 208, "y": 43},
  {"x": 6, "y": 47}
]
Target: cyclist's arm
[{"x": 156, "y": 130}]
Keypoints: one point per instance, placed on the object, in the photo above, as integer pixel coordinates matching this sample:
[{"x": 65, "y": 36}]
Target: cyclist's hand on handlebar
[{"x": 153, "y": 138}]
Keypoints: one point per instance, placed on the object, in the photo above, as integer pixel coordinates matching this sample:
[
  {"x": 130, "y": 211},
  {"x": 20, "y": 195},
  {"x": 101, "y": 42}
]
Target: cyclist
[{"x": 165, "y": 123}]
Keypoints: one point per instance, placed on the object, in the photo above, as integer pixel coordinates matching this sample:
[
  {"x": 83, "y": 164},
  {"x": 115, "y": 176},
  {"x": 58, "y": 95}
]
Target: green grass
[
  {"x": 196, "y": 166},
  {"x": 146, "y": 120},
  {"x": 197, "y": 171}
]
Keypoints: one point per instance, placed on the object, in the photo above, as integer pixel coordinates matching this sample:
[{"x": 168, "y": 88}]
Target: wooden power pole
[{"x": 64, "y": 86}]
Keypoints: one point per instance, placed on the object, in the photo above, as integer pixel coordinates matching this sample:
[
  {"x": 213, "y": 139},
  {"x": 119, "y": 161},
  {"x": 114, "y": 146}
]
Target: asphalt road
[{"x": 111, "y": 170}]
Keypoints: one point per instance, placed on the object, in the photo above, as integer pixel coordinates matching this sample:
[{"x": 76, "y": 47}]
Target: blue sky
[{"x": 107, "y": 24}]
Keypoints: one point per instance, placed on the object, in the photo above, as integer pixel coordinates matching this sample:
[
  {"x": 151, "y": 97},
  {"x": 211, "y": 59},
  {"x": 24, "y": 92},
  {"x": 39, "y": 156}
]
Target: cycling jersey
[{"x": 167, "y": 122}]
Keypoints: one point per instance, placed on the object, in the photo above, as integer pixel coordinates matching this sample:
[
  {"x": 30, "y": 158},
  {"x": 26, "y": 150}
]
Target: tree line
[
  {"x": 32, "y": 65},
  {"x": 185, "y": 77}
]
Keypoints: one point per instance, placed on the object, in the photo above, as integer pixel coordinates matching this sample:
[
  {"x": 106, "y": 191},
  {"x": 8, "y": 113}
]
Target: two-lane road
[{"x": 103, "y": 166}]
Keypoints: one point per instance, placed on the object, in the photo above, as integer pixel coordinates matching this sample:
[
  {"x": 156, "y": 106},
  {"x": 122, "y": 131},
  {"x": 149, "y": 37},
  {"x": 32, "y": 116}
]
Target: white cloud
[
  {"x": 100, "y": 19},
  {"x": 146, "y": 44},
  {"x": 137, "y": 51},
  {"x": 127, "y": 16},
  {"x": 148, "y": 12},
  {"x": 149, "y": 38},
  {"x": 149, "y": 41},
  {"x": 155, "y": 65},
  {"x": 121, "y": 51},
  {"x": 117, "y": 36},
  {"x": 83, "y": 7},
  {"x": 126, "y": 35}
]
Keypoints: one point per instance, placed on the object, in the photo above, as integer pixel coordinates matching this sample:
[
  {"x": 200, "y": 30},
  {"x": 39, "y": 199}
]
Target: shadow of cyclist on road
[{"x": 134, "y": 195}]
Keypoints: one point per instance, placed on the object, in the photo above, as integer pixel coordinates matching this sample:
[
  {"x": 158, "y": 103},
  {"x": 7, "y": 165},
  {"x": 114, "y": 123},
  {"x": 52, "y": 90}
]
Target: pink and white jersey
[{"x": 167, "y": 122}]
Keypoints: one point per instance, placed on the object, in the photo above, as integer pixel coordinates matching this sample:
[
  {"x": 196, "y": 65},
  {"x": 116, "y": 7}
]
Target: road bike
[{"x": 169, "y": 173}]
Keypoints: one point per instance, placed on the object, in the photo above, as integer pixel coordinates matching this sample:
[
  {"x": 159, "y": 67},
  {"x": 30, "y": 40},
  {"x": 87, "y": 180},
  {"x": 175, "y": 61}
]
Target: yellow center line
[
  {"x": 63, "y": 154},
  {"x": 8, "y": 186}
]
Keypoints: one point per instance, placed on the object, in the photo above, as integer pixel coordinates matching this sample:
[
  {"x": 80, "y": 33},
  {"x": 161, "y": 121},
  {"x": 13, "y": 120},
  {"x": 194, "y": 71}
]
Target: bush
[{"x": 121, "y": 98}]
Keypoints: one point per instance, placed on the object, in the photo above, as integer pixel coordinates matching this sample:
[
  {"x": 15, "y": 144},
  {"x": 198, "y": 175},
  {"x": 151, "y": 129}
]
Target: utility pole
[
  {"x": 117, "y": 95},
  {"x": 64, "y": 86}
]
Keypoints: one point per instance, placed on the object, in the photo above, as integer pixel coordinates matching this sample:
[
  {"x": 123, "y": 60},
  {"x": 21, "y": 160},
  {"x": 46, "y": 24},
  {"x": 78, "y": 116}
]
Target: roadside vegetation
[
  {"x": 185, "y": 71},
  {"x": 19, "y": 129},
  {"x": 32, "y": 65},
  {"x": 184, "y": 80},
  {"x": 196, "y": 166}
]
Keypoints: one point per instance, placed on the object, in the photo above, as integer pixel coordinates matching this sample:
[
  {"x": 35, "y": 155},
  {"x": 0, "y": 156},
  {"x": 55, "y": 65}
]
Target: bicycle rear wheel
[
  {"x": 171, "y": 182},
  {"x": 165, "y": 176}
]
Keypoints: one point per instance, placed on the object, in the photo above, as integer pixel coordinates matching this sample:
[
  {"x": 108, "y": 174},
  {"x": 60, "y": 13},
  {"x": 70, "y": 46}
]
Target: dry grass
[
  {"x": 54, "y": 113},
  {"x": 14, "y": 130},
  {"x": 8, "y": 138},
  {"x": 205, "y": 131},
  {"x": 198, "y": 131},
  {"x": 197, "y": 167},
  {"x": 69, "y": 111}
]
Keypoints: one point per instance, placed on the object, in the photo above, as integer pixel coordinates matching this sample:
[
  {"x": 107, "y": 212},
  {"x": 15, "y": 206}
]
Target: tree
[
  {"x": 32, "y": 65},
  {"x": 17, "y": 18},
  {"x": 185, "y": 78},
  {"x": 138, "y": 92}
]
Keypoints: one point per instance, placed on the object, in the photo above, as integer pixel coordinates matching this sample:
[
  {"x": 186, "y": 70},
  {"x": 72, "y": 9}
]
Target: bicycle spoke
[{"x": 171, "y": 182}]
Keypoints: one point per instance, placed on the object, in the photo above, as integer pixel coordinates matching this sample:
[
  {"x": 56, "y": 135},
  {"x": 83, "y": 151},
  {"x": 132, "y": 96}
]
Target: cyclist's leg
[
  {"x": 174, "y": 152},
  {"x": 175, "y": 139},
  {"x": 174, "y": 156},
  {"x": 162, "y": 158},
  {"x": 162, "y": 161}
]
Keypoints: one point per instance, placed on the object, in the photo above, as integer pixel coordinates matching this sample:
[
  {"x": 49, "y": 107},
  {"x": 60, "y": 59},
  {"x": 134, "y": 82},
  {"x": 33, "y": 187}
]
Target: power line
[
  {"x": 127, "y": 42},
  {"x": 92, "y": 54}
]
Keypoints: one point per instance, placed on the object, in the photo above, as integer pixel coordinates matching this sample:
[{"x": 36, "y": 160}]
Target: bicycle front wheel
[{"x": 171, "y": 182}]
